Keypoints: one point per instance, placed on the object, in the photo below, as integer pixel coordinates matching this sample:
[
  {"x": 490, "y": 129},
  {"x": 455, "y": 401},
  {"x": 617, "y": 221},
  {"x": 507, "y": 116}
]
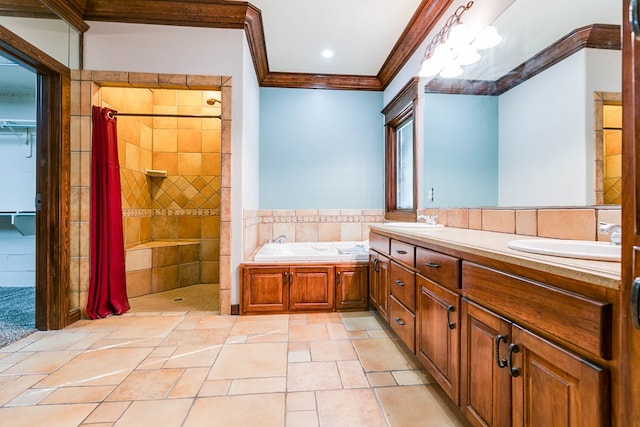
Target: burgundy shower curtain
[{"x": 107, "y": 284}]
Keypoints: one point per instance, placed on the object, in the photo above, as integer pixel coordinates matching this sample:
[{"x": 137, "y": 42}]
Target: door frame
[{"x": 52, "y": 180}]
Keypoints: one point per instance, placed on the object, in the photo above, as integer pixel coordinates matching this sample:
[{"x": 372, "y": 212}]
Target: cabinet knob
[
  {"x": 401, "y": 252},
  {"x": 513, "y": 348},
  {"x": 399, "y": 321}
]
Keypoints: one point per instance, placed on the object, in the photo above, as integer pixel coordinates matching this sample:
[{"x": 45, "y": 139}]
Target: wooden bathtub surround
[
  {"x": 510, "y": 343},
  {"x": 303, "y": 287}
]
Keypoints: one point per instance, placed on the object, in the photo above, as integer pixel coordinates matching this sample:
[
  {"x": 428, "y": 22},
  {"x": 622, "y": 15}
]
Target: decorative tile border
[
  {"x": 320, "y": 219},
  {"x": 170, "y": 212}
]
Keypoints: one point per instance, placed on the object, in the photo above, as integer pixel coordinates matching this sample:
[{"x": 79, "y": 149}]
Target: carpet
[{"x": 17, "y": 313}]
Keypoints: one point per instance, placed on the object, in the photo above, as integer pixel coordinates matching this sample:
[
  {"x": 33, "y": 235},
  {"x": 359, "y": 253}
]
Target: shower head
[{"x": 212, "y": 101}]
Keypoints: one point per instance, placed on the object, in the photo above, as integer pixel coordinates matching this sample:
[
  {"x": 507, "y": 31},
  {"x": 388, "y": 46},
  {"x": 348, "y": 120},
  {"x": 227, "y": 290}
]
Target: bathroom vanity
[{"x": 512, "y": 338}]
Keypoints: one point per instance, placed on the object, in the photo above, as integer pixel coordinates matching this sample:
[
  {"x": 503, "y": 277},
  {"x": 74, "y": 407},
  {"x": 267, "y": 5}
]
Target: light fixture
[
  {"x": 455, "y": 45},
  {"x": 327, "y": 53}
]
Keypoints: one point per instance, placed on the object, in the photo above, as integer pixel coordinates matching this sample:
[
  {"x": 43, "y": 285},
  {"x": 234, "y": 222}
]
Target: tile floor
[
  {"x": 202, "y": 297},
  {"x": 198, "y": 369}
]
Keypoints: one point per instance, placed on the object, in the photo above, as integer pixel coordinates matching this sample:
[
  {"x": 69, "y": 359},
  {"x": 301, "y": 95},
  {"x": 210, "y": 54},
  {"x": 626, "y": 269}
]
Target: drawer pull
[
  {"x": 399, "y": 282},
  {"x": 500, "y": 362},
  {"x": 399, "y": 321},
  {"x": 401, "y": 252},
  {"x": 513, "y": 348},
  {"x": 450, "y": 310},
  {"x": 432, "y": 265},
  {"x": 376, "y": 265}
]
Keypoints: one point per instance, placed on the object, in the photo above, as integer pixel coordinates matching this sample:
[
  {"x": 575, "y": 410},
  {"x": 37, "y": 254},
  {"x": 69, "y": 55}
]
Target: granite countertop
[{"x": 494, "y": 245}]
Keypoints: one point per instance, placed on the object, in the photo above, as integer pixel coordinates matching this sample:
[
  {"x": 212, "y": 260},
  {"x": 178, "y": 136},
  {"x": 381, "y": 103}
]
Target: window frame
[{"x": 396, "y": 113}]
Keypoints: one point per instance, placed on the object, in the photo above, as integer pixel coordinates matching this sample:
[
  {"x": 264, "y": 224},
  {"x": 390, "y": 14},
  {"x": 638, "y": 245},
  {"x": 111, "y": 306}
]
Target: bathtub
[{"x": 313, "y": 251}]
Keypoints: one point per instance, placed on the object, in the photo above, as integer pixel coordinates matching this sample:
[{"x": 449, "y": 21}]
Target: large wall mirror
[{"x": 494, "y": 138}]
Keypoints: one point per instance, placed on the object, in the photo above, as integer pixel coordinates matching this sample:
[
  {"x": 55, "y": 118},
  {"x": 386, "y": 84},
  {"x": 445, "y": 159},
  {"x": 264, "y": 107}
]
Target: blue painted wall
[
  {"x": 461, "y": 150},
  {"x": 321, "y": 149}
]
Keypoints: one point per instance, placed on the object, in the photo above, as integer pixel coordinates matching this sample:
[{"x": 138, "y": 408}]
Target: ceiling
[{"x": 361, "y": 33}]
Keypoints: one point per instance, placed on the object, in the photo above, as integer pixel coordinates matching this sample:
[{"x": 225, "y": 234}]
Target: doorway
[
  {"x": 608, "y": 148},
  {"x": 17, "y": 210}
]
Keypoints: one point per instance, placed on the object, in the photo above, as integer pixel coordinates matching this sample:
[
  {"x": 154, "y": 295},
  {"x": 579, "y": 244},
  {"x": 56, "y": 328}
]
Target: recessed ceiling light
[{"x": 327, "y": 53}]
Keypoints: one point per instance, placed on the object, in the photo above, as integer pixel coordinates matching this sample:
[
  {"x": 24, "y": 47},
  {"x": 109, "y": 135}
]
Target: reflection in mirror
[
  {"x": 510, "y": 132},
  {"x": 53, "y": 36}
]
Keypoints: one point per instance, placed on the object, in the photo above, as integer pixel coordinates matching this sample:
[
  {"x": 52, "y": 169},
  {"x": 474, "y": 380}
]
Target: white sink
[
  {"x": 583, "y": 249},
  {"x": 418, "y": 225}
]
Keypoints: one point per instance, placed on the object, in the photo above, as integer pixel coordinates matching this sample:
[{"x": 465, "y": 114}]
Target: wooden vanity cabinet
[
  {"x": 379, "y": 283},
  {"x": 437, "y": 334},
  {"x": 293, "y": 288},
  {"x": 402, "y": 303},
  {"x": 352, "y": 287}
]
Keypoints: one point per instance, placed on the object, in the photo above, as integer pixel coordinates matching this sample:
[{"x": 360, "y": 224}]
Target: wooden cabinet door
[
  {"x": 265, "y": 289},
  {"x": 312, "y": 288},
  {"x": 554, "y": 387},
  {"x": 438, "y": 334},
  {"x": 379, "y": 284},
  {"x": 485, "y": 384},
  {"x": 351, "y": 287}
]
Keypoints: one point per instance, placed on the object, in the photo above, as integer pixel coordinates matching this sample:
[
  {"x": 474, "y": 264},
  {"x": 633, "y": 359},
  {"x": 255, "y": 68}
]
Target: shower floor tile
[{"x": 203, "y": 297}]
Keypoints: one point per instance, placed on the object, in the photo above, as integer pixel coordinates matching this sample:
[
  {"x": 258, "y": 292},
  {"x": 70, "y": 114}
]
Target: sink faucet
[
  {"x": 431, "y": 220},
  {"x": 280, "y": 239},
  {"x": 614, "y": 231}
]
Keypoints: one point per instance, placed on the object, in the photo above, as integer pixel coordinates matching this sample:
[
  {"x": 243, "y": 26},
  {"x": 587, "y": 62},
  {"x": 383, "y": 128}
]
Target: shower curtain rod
[{"x": 112, "y": 114}]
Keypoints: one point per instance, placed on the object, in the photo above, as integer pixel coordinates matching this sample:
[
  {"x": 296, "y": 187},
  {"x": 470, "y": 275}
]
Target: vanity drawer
[
  {"x": 379, "y": 243},
  {"x": 403, "y": 323},
  {"x": 403, "y": 285},
  {"x": 403, "y": 252},
  {"x": 576, "y": 319},
  {"x": 440, "y": 268}
]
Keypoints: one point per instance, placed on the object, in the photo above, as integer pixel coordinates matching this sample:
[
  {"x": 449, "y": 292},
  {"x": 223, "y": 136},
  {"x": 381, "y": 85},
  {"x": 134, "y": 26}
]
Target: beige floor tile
[
  {"x": 89, "y": 340},
  {"x": 99, "y": 367},
  {"x": 323, "y": 351},
  {"x": 250, "y": 361},
  {"x": 352, "y": 374},
  {"x": 107, "y": 412},
  {"x": 264, "y": 410},
  {"x": 299, "y": 346},
  {"x": 316, "y": 332},
  {"x": 79, "y": 394},
  {"x": 358, "y": 335},
  {"x": 302, "y": 419},
  {"x": 299, "y": 356},
  {"x": 127, "y": 343},
  {"x": 216, "y": 322},
  {"x": 313, "y": 376},
  {"x": 260, "y": 327},
  {"x": 202, "y": 297},
  {"x": 145, "y": 327},
  {"x": 275, "y": 337},
  {"x": 361, "y": 321},
  {"x": 236, "y": 339},
  {"x": 301, "y": 401},
  {"x": 383, "y": 354},
  {"x": 415, "y": 405},
  {"x": 145, "y": 385},
  {"x": 381, "y": 379},
  {"x": 42, "y": 415},
  {"x": 32, "y": 396},
  {"x": 185, "y": 337},
  {"x": 350, "y": 408},
  {"x": 57, "y": 341},
  {"x": 258, "y": 385},
  {"x": 18, "y": 386},
  {"x": 162, "y": 351},
  {"x": 165, "y": 413},
  {"x": 193, "y": 356},
  {"x": 13, "y": 358},
  {"x": 379, "y": 333},
  {"x": 189, "y": 383},
  {"x": 410, "y": 377},
  {"x": 337, "y": 331},
  {"x": 42, "y": 362},
  {"x": 215, "y": 388}
]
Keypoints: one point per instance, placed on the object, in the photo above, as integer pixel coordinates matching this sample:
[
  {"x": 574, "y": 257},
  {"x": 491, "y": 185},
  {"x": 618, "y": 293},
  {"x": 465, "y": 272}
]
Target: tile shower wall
[{"x": 187, "y": 204}]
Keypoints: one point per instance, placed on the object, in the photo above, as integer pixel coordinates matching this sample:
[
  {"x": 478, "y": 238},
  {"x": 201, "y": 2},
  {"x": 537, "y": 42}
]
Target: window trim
[{"x": 397, "y": 112}]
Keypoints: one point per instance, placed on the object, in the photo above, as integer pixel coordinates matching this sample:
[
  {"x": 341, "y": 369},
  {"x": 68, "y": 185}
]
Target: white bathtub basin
[
  {"x": 414, "y": 225},
  {"x": 583, "y": 249},
  {"x": 313, "y": 251}
]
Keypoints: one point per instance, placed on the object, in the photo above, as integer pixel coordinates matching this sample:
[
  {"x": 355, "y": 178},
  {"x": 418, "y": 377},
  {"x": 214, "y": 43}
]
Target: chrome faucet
[
  {"x": 431, "y": 220},
  {"x": 280, "y": 239},
  {"x": 614, "y": 231}
]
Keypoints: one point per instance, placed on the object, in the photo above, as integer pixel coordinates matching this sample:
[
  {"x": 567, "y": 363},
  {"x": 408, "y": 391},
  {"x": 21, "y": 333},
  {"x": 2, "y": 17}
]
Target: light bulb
[
  {"x": 429, "y": 68},
  {"x": 488, "y": 38},
  {"x": 459, "y": 36},
  {"x": 468, "y": 55},
  {"x": 451, "y": 70}
]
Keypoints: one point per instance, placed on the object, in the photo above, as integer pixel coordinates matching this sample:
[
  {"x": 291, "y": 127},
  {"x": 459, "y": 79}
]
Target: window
[{"x": 400, "y": 171}]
